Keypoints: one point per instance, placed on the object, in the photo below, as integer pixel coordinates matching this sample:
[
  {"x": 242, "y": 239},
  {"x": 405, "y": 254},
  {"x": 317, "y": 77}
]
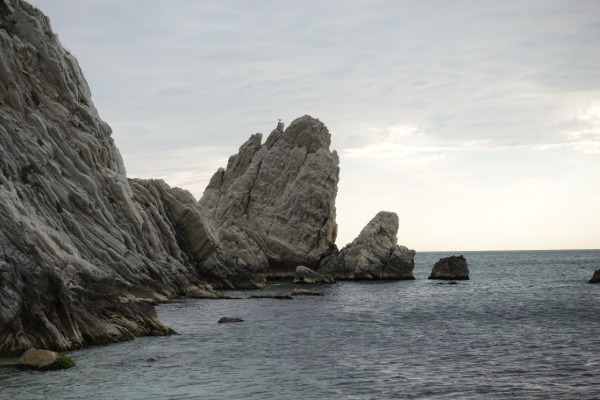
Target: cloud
[{"x": 417, "y": 95}]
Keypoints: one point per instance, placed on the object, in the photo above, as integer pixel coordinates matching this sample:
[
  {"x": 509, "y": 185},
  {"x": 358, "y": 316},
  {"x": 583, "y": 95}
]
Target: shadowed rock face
[
  {"x": 453, "y": 267},
  {"x": 374, "y": 254},
  {"x": 80, "y": 244},
  {"x": 274, "y": 204},
  {"x": 595, "y": 277}
]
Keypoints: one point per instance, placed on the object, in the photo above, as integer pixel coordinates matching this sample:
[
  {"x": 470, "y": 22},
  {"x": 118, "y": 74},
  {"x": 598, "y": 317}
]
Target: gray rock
[
  {"x": 307, "y": 275},
  {"x": 450, "y": 268},
  {"x": 84, "y": 251},
  {"x": 274, "y": 204},
  {"x": 374, "y": 254},
  {"x": 228, "y": 320},
  {"x": 43, "y": 360},
  {"x": 304, "y": 292},
  {"x": 595, "y": 277}
]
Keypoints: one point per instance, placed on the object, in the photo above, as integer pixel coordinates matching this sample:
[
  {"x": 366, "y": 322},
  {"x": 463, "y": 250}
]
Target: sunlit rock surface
[
  {"x": 374, "y": 254},
  {"x": 274, "y": 204}
]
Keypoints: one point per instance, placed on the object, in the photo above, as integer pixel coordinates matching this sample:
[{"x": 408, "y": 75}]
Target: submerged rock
[
  {"x": 228, "y": 320},
  {"x": 44, "y": 360},
  {"x": 374, "y": 254},
  {"x": 304, "y": 292},
  {"x": 307, "y": 275},
  {"x": 450, "y": 268},
  {"x": 595, "y": 277},
  {"x": 274, "y": 204},
  {"x": 278, "y": 296}
]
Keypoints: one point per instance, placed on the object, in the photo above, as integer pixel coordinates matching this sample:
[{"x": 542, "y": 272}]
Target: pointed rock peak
[
  {"x": 385, "y": 223},
  {"x": 308, "y": 132}
]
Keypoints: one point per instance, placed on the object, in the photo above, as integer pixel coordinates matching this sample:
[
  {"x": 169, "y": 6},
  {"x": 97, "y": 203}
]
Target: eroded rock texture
[
  {"x": 83, "y": 250},
  {"x": 274, "y": 204},
  {"x": 374, "y": 254}
]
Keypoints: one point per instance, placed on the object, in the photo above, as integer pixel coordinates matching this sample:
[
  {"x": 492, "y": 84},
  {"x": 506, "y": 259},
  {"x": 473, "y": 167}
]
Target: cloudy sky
[{"x": 478, "y": 122}]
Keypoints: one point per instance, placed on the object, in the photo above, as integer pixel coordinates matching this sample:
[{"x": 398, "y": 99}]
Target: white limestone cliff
[
  {"x": 83, "y": 250},
  {"x": 274, "y": 204}
]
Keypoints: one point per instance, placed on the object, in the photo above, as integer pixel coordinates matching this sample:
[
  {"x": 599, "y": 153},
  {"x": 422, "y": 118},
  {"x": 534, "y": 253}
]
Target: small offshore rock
[
  {"x": 44, "y": 360},
  {"x": 304, "y": 292},
  {"x": 227, "y": 320},
  {"x": 595, "y": 277},
  {"x": 450, "y": 268},
  {"x": 306, "y": 275}
]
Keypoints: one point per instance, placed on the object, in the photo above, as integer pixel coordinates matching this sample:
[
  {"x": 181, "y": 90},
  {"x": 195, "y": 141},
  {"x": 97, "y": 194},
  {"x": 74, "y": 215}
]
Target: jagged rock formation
[
  {"x": 595, "y": 277},
  {"x": 307, "y": 275},
  {"x": 83, "y": 250},
  {"x": 274, "y": 204},
  {"x": 453, "y": 268},
  {"x": 374, "y": 254}
]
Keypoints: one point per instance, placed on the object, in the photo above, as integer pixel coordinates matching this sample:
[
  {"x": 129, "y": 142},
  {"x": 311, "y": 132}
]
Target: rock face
[
  {"x": 274, "y": 204},
  {"x": 307, "y": 275},
  {"x": 453, "y": 268},
  {"x": 44, "y": 360},
  {"x": 83, "y": 250},
  {"x": 595, "y": 277},
  {"x": 374, "y": 254}
]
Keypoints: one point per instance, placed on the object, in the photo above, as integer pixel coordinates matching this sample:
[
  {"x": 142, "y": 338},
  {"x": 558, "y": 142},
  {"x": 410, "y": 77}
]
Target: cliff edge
[{"x": 83, "y": 250}]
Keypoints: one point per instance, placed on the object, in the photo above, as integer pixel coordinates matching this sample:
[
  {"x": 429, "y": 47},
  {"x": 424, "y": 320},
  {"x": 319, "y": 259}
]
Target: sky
[{"x": 477, "y": 122}]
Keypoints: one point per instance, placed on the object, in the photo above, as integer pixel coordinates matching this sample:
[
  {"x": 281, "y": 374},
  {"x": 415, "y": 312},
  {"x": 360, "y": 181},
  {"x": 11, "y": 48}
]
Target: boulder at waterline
[
  {"x": 374, "y": 254},
  {"x": 228, "y": 320},
  {"x": 305, "y": 292},
  {"x": 450, "y": 268},
  {"x": 306, "y": 275},
  {"x": 44, "y": 360},
  {"x": 596, "y": 277}
]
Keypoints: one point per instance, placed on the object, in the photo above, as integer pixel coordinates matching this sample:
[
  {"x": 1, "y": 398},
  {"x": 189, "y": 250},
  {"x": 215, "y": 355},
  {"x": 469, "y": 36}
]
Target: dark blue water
[{"x": 527, "y": 325}]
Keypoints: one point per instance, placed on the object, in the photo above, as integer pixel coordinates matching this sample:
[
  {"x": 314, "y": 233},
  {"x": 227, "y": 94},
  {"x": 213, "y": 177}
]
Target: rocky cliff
[
  {"x": 274, "y": 204},
  {"x": 83, "y": 250}
]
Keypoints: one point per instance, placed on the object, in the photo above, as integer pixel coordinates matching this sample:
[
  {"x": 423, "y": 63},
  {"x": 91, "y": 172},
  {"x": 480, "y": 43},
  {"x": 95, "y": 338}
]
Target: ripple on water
[{"x": 524, "y": 326}]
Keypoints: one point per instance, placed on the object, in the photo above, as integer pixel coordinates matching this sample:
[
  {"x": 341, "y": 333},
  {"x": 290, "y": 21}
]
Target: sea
[{"x": 525, "y": 326}]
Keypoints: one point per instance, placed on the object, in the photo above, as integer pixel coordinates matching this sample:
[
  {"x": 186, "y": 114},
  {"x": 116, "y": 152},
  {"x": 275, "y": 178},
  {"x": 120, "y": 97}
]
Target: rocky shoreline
[{"x": 85, "y": 252}]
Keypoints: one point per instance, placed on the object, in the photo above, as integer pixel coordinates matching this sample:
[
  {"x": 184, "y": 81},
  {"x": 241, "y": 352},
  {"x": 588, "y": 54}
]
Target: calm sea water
[{"x": 527, "y": 325}]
